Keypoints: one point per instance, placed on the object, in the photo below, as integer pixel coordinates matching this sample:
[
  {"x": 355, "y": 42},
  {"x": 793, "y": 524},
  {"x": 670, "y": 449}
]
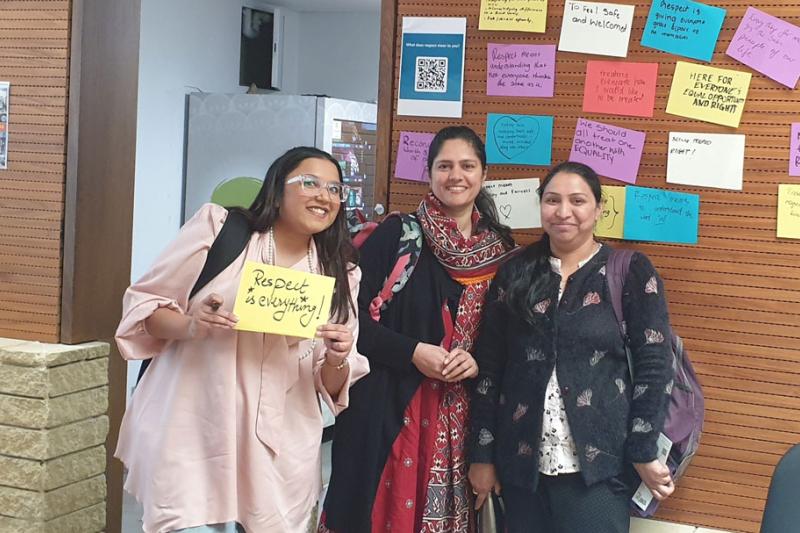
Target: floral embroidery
[
  {"x": 640, "y": 426},
  {"x": 652, "y": 336},
  {"x": 639, "y": 390},
  {"x": 668, "y": 388},
  {"x": 585, "y": 398},
  {"x": 602, "y": 270},
  {"x": 483, "y": 386},
  {"x": 519, "y": 412},
  {"x": 596, "y": 356},
  {"x": 651, "y": 287},
  {"x": 542, "y": 306},
  {"x": 485, "y": 437},
  {"x": 591, "y": 298},
  {"x": 591, "y": 453},
  {"x": 524, "y": 449},
  {"x": 534, "y": 354},
  {"x": 620, "y": 385}
]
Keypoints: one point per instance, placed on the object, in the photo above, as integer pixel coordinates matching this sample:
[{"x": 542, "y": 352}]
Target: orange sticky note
[{"x": 620, "y": 88}]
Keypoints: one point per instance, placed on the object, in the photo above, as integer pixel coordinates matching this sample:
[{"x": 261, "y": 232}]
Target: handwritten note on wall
[
  {"x": 513, "y": 15},
  {"x": 661, "y": 216},
  {"x": 794, "y": 150},
  {"x": 610, "y": 150},
  {"x": 520, "y": 70},
  {"x": 620, "y": 88},
  {"x": 519, "y": 139},
  {"x": 789, "y": 211},
  {"x": 517, "y": 202},
  {"x": 706, "y": 93},
  {"x": 684, "y": 28},
  {"x": 596, "y": 28},
  {"x": 279, "y": 300},
  {"x": 412, "y": 156},
  {"x": 612, "y": 219},
  {"x": 768, "y": 45},
  {"x": 706, "y": 160}
]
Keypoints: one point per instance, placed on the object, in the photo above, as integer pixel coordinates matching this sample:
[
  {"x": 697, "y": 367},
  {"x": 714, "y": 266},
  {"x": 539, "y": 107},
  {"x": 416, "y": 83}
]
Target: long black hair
[
  {"x": 336, "y": 254},
  {"x": 484, "y": 202},
  {"x": 529, "y": 276}
]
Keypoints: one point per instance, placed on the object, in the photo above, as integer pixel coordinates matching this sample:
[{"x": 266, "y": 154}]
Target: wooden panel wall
[
  {"x": 34, "y": 57},
  {"x": 734, "y": 297}
]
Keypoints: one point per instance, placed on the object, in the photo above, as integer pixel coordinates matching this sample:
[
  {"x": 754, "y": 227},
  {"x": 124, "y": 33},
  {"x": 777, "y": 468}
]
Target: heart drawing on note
[
  {"x": 514, "y": 136},
  {"x": 505, "y": 210}
]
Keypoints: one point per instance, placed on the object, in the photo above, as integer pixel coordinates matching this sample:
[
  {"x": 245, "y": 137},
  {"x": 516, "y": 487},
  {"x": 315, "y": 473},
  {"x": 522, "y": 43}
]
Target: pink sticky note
[
  {"x": 412, "y": 156},
  {"x": 610, "y": 150},
  {"x": 794, "y": 150},
  {"x": 520, "y": 70},
  {"x": 769, "y": 45},
  {"x": 620, "y": 88}
]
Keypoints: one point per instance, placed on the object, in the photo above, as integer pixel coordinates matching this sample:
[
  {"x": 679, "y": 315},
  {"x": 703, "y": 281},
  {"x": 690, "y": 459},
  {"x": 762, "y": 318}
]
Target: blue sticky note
[
  {"x": 661, "y": 216},
  {"x": 684, "y": 28},
  {"x": 519, "y": 139}
]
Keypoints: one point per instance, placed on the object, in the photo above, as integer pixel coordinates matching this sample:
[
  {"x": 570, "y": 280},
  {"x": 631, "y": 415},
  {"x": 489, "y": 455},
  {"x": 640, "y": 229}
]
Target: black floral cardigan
[{"x": 613, "y": 422}]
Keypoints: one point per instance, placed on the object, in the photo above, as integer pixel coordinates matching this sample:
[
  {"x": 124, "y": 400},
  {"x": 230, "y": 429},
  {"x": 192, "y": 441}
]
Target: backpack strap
[
  {"x": 617, "y": 267},
  {"x": 227, "y": 246},
  {"x": 409, "y": 248}
]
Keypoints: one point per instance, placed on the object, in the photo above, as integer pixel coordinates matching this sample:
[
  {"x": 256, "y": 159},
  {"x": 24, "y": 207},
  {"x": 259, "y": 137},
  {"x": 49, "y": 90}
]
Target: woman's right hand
[
  {"x": 210, "y": 315},
  {"x": 429, "y": 359},
  {"x": 483, "y": 479}
]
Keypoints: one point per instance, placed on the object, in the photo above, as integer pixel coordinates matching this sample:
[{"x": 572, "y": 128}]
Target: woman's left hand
[
  {"x": 656, "y": 477},
  {"x": 458, "y": 365},
  {"x": 338, "y": 340}
]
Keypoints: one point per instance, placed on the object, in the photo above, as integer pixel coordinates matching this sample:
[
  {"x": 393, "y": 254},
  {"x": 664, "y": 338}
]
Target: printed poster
[
  {"x": 513, "y": 15},
  {"x": 520, "y": 70},
  {"x": 683, "y": 28},
  {"x": 432, "y": 66},
  {"x": 4, "y": 92},
  {"x": 715, "y": 95},
  {"x": 596, "y": 28},
  {"x": 519, "y": 139},
  {"x": 706, "y": 160},
  {"x": 517, "y": 202}
]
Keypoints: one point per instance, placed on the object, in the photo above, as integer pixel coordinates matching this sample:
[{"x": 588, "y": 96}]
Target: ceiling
[{"x": 328, "y": 5}]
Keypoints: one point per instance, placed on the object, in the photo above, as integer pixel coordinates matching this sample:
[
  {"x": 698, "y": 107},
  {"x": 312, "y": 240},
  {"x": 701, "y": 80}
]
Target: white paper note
[
  {"x": 517, "y": 202},
  {"x": 596, "y": 28},
  {"x": 706, "y": 160}
]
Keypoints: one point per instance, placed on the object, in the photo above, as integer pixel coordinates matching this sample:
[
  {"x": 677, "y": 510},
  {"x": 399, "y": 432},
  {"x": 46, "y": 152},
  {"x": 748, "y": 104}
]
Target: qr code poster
[{"x": 432, "y": 66}]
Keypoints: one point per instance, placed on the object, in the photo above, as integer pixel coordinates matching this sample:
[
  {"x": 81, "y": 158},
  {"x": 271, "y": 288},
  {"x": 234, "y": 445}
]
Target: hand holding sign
[
  {"x": 283, "y": 301},
  {"x": 210, "y": 316}
]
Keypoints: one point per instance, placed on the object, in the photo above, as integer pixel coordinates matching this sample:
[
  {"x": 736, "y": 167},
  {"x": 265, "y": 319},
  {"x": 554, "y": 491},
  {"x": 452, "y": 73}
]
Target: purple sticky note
[
  {"x": 610, "y": 150},
  {"x": 412, "y": 156},
  {"x": 520, "y": 69},
  {"x": 769, "y": 45},
  {"x": 794, "y": 150}
]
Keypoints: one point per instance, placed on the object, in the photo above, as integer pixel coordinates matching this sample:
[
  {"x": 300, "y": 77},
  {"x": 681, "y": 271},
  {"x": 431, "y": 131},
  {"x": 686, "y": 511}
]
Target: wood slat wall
[
  {"x": 34, "y": 57},
  {"x": 734, "y": 297}
]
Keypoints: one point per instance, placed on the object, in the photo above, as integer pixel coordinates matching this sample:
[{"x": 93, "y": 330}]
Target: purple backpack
[{"x": 684, "y": 422}]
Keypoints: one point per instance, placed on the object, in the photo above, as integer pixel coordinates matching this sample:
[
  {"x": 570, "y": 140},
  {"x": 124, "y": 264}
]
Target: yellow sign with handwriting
[
  {"x": 283, "y": 301},
  {"x": 715, "y": 95},
  {"x": 789, "y": 211},
  {"x": 513, "y": 15},
  {"x": 612, "y": 218}
]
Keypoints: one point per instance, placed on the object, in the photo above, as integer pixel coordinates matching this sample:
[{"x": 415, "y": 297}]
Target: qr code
[{"x": 430, "y": 76}]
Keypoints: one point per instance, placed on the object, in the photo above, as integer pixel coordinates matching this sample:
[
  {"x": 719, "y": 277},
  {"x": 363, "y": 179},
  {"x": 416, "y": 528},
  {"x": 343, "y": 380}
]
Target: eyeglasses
[{"x": 311, "y": 185}]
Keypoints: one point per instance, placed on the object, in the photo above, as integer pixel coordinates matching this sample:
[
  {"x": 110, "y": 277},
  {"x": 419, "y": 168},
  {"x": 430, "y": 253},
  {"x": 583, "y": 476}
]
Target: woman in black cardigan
[{"x": 555, "y": 417}]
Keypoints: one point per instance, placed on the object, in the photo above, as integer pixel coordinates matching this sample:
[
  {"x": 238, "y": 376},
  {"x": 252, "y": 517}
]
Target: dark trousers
[{"x": 564, "y": 504}]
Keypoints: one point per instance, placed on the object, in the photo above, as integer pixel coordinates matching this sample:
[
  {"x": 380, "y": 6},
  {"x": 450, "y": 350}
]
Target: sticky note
[
  {"x": 283, "y": 301},
  {"x": 611, "y": 151},
  {"x": 661, "y": 216},
  {"x": 412, "y": 156},
  {"x": 710, "y": 94},
  {"x": 620, "y": 88},
  {"x": 706, "y": 160},
  {"x": 789, "y": 211},
  {"x": 520, "y": 70},
  {"x": 513, "y": 15},
  {"x": 612, "y": 219},
  {"x": 596, "y": 28},
  {"x": 519, "y": 139},
  {"x": 517, "y": 202},
  {"x": 794, "y": 150},
  {"x": 768, "y": 45},
  {"x": 683, "y": 28}
]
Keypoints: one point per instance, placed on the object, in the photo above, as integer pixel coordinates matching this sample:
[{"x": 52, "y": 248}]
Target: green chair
[{"x": 236, "y": 192}]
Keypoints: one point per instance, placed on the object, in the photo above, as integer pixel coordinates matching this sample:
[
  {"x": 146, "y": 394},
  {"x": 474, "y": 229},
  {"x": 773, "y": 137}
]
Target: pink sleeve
[
  {"x": 167, "y": 283},
  {"x": 358, "y": 366}
]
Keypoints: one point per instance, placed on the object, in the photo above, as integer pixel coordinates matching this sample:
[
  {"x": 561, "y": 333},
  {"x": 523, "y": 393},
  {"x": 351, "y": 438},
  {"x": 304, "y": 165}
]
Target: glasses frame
[{"x": 324, "y": 185}]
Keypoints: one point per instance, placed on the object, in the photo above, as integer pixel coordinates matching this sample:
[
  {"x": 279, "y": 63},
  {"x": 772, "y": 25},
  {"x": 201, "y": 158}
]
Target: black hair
[
  {"x": 529, "y": 278},
  {"x": 484, "y": 201},
  {"x": 336, "y": 253}
]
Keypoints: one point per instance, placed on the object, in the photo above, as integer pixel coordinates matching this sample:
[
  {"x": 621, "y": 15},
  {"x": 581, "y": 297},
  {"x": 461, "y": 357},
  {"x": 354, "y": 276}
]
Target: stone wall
[{"x": 53, "y": 427}]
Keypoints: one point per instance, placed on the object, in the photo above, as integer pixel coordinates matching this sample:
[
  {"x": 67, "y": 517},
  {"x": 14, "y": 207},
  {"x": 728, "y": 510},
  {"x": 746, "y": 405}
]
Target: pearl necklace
[{"x": 271, "y": 253}]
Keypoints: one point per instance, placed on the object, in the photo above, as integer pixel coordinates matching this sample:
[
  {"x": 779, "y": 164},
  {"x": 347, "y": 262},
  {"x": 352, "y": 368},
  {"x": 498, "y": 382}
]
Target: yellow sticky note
[
  {"x": 513, "y": 15},
  {"x": 612, "y": 219},
  {"x": 789, "y": 211},
  {"x": 715, "y": 95},
  {"x": 279, "y": 300}
]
